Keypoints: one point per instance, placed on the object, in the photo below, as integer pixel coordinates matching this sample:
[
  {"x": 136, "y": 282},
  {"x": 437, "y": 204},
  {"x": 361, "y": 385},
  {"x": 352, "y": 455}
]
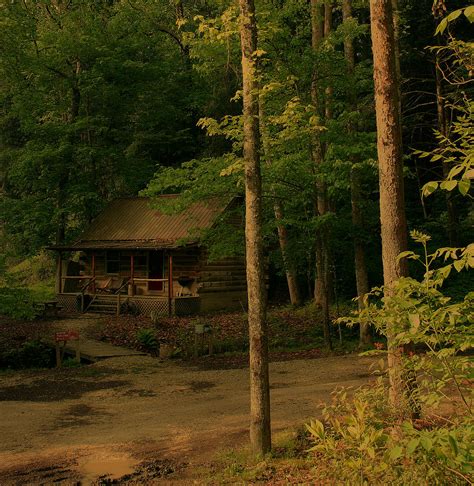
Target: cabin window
[
  {"x": 112, "y": 262},
  {"x": 140, "y": 265}
]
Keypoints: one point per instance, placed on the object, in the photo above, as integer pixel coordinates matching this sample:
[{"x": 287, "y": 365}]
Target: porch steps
[{"x": 103, "y": 304}]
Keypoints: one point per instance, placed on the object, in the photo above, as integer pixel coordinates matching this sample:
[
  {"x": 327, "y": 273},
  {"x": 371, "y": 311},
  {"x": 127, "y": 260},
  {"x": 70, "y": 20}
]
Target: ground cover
[{"x": 290, "y": 331}]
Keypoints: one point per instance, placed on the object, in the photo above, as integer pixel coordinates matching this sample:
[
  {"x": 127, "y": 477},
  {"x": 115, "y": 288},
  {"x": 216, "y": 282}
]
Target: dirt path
[{"x": 118, "y": 412}]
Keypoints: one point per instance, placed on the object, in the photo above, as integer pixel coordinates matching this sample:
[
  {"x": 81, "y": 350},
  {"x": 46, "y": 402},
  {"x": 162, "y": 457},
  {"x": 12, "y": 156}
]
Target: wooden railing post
[
  {"x": 132, "y": 274},
  {"x": 170, "y": 284}
]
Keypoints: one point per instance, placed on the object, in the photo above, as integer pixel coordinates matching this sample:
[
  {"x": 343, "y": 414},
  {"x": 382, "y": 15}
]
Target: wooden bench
[{"x": 49, "y": 308}]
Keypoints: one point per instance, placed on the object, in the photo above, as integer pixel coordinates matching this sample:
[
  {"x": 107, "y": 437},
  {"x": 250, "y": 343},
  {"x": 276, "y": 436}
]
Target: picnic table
[{"x": 48, "y": 308}]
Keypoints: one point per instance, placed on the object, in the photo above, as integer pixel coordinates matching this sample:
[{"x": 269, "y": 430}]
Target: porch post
[
  {"x": 59, "y": 273},
  {"x": 132, "y": 274},
  {"x": 93, "y": 272},
  {"x": 170, "y": 284}
]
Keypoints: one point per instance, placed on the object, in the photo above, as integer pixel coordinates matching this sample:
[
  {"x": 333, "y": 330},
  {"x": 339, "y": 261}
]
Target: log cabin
[{"x": 136, "y": 258}]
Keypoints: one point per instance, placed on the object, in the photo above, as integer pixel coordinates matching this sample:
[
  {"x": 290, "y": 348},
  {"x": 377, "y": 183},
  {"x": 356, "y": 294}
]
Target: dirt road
[{"x": 106, "y": 418}]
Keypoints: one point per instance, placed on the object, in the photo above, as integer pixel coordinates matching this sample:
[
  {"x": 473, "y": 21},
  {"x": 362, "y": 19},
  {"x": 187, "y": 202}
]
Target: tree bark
[
  {"x": 389, "y": 148},
  {"x": 290, "y": 271},
  {"x": 443, "y": 129},
  {"x": 319, "y": 24},
  {"x": 362, "y": 280},
  {"x": 260, "y": 433}
]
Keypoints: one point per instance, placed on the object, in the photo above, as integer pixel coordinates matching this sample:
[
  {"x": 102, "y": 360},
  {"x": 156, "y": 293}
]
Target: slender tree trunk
[
  {"x": 321, "y": 288},
  {"x": 362, "y": 281},
  {"x": 443, "y": 129},
  {"x": 290, "y": 271},
  {"x": 260, "y": 433},
  {"x": 389, "y": 147}
]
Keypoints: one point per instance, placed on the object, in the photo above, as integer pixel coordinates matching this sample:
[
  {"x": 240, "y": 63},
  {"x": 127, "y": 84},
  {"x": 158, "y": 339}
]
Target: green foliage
[
  {"x": 356, "y": 443},
  {"x": 32, "y": 354},
  {"x": 437, "y": 449},
  {"x": 17, "y": 302},
  {"x": 456, "y": 152},
  {"x": 147, "y": 339}
]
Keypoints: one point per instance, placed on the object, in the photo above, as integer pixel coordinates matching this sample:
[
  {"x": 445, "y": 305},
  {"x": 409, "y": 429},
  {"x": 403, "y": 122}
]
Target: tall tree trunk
[
  {"x": 260, "y": 432},
  {"x": 362, "y": 280},
  {"x": 389, "y": 148},
  {"x": 321, "y": 288},
  {"x": 290, "y": 271},
  {"x": 443, "y": 129},
  {"x": 289, "y": 267}
]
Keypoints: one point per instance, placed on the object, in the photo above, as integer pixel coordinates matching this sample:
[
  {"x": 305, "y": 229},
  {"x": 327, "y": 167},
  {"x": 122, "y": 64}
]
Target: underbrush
[
  {"x": 24, "y": 284},
  {"x": 289, "y": 329},
  {"x": 29, "y": 354}
]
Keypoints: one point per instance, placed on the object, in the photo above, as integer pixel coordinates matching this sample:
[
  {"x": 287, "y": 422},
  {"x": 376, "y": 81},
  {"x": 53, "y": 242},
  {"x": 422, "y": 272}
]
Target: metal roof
[{"x": 130, "y": 223}]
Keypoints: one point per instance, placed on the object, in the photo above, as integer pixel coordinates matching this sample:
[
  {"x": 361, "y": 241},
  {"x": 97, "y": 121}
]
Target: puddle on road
[{"x": 113, "y": 466}]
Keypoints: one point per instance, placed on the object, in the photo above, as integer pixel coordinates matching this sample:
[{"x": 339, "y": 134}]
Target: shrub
[
  {"x": 17, "y": 303},
  {"x": 362, "y": 441},
  {"x": 33, "y": 354},
  {"x": 147, "y": 339}
]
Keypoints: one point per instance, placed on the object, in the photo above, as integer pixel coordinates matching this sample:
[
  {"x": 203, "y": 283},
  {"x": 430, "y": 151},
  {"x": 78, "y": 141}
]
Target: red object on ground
[{"x": 66, "y": 336}]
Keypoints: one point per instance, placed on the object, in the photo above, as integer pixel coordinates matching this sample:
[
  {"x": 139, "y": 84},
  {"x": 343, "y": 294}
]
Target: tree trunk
[
  {"x": 362, "y": 281},
  {"x": 290, "y": 271},
  {"x": 389, "y": 148},
  {"x": 260, "y": 433},
  {"x": 443, "y": 129},
  {"x": 321, "y": 288}
]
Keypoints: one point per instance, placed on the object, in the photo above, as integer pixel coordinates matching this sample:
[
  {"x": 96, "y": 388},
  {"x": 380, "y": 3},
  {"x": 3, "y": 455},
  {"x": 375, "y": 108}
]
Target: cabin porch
[{"x": 141, "y": 281}]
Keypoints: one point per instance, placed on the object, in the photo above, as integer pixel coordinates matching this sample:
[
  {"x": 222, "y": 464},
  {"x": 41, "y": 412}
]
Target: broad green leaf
[
  {"x": 459, "y": 265},
  {"x": 412, "y": 445},
  {"x": 396, "y": 452},
  {"x": 455, "y": 171},
  {"x": 426, "y": 444},
  {"x": 469, "y": 13},
  {"x": 454, "y": 15},
  {"x": 448, "y": 185},
  {"x": 441, "y": 26},
  {"x": 429, "y": 188},
  {"x": 453, "y": 443},
  {"x": 464, "y": 186}
]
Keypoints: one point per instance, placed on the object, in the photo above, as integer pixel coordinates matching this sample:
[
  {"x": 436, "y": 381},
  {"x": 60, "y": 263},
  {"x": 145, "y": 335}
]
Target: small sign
[{"x": 66, "y": 336}]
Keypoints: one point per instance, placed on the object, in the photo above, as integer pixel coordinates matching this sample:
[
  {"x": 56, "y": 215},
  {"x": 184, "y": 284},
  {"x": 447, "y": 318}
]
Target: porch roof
[{"x": 131, "y": 223}]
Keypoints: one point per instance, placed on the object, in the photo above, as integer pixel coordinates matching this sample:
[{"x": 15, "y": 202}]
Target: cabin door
[{"x": 155, "y": 270}]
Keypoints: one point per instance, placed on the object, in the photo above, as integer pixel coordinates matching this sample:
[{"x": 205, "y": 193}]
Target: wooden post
[
  {"x": 78, "y": 351},
  {"x": 132, "y": 274},
  {"x": 59, "y": 274},
  {"x": 93, "y": 272},
  {"x": 170, "y": 284},
  {"x": 58, "y": 355}
]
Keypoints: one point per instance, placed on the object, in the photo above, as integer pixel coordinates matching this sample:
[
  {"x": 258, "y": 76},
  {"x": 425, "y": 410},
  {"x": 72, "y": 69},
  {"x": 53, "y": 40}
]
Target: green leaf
[
  {"x": 464, "y": 186},
  {"x": 469, "y": 13},
  {"x": 454, "y": 15},
  {"x": 459, "y": 265},
  {"x": 426, "y": 444},
  {"x": 455, "y": 171},
  {"x": 441, "y": 26},
  {"x": 469, "y": 174},
  {"x": 412, "y": 445},
  {"x": 405, "y": 254},
  {"x": 396, "y": 452},
  {"x": 448, "y": 185},
  {"x": 453, "y": 443},
  {"x": 429, "y": 188}
]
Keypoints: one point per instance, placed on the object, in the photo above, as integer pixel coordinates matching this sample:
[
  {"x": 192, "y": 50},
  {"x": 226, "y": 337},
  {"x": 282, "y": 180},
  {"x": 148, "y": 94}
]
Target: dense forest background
[{"x": 115, "y": 98}]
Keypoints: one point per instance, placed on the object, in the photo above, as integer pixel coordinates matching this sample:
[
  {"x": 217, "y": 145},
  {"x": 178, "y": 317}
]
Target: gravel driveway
[{"x": 166, "y": 415}]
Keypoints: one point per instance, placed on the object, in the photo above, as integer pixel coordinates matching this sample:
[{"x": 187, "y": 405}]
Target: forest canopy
[{"x": 109, "y": 98}]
